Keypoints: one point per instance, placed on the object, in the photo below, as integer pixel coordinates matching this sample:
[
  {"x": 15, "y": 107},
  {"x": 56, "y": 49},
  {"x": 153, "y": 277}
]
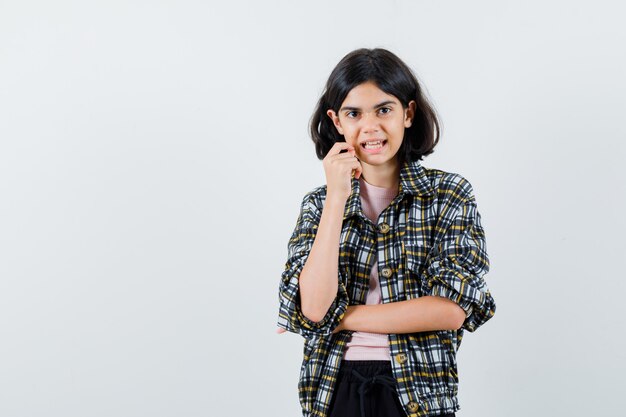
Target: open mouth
[{"x": 374, "y": 144}]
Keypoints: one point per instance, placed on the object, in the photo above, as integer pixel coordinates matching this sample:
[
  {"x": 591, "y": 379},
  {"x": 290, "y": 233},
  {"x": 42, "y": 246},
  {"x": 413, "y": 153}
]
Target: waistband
[{"x": 365, "y": 368}]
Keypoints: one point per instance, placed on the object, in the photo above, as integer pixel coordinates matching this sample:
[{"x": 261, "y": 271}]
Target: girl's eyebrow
[{"x": 376, "y": 106}]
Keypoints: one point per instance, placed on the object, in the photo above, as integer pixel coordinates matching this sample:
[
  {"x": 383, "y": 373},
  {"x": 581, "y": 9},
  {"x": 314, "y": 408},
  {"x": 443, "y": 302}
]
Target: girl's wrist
[{"x": 337, "y": 199}]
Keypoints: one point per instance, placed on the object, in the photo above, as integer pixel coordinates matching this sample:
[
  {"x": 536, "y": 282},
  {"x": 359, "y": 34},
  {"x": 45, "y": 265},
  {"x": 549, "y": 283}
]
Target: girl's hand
[
  {"x": 339, "y": 327},
  {"x": 339, "y": 168}
]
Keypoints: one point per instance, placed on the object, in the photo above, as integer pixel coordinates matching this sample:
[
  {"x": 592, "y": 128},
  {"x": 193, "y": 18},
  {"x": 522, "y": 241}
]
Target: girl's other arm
[{"x": 421, "y": 314}]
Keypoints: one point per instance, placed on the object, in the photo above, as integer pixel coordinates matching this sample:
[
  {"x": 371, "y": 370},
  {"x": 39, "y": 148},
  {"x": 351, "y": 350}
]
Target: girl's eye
[{"x": 383, "y": 110}]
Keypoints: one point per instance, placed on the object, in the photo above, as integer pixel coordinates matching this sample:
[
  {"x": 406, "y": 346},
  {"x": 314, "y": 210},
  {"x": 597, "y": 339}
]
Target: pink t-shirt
[{"x": 365, "y": 345}]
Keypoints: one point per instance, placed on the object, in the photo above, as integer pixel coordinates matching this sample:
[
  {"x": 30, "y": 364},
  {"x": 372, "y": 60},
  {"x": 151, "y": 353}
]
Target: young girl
[{"x": 385, "y": 266}]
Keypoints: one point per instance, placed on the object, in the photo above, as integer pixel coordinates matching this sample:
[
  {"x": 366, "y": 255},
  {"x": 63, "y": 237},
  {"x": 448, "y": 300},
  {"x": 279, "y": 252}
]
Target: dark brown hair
[{"x": 392, "y": 76}]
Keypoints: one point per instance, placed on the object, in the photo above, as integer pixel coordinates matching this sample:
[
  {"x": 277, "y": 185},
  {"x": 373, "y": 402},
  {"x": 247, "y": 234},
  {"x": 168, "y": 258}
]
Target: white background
[{"x": 154, "y": 155}]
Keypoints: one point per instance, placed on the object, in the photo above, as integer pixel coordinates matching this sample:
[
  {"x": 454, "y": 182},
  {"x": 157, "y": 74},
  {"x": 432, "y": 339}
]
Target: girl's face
[{"x": 368, "y": 114}]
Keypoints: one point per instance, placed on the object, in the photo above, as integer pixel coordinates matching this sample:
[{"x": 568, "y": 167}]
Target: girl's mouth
[{"x": 374, "y": 146}]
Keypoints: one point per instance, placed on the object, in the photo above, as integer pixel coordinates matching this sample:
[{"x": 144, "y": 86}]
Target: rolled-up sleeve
[
  {"x": 456, "y": 266},
  {"x": 290, "y": 315}
]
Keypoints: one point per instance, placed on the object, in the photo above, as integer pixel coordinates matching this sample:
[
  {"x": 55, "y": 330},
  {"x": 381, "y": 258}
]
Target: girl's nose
[{"x": 370, "y": 123}]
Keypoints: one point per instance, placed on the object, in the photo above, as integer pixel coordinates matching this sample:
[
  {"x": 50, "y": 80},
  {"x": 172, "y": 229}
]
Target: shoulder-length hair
[{"x": 392, "y": 76}]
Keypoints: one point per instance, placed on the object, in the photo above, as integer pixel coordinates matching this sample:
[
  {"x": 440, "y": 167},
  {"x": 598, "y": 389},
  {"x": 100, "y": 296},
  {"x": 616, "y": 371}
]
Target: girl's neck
[{"x": 384, "y": 176}]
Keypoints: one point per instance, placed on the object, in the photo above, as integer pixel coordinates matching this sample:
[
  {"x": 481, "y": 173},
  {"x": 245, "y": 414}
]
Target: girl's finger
[
  {"x": 345, "y": 155},
  {"x": 338, "y": 147}
]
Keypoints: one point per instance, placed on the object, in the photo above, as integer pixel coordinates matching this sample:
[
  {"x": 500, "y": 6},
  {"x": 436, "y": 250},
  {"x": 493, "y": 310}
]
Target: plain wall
[{"x": 153, "y": 157}]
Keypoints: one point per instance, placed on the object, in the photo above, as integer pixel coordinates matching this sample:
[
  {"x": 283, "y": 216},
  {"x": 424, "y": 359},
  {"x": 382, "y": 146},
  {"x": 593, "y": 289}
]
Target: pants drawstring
[{"x": 367, "y": 384}]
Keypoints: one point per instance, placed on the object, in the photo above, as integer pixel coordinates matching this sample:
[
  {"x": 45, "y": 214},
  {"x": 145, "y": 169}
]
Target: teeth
[{"x": 373, "y": 145}]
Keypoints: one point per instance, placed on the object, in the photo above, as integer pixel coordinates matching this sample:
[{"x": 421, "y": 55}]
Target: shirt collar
[{"x": 413, "y": 180}]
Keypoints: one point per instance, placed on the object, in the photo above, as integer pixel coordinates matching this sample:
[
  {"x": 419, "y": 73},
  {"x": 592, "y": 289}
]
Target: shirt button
[
  {"x": 412, "y": 406},
  {"x": 386, "y": 272},
  {"x": 401, "y": 357},
  {"x": 383, "y": 227}
]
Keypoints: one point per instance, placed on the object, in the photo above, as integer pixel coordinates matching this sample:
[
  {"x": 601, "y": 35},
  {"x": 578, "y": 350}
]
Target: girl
[{"x": 385, "y": 266}]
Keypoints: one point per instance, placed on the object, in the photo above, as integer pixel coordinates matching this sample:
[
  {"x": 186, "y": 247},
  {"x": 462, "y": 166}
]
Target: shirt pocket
[{"x": 415, "y": 252}]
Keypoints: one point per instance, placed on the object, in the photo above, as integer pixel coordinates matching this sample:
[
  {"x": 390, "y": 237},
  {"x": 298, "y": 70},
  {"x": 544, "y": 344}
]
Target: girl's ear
[
  {"x": 331, "y": 113},
  {"x": 409, "y": 113}
]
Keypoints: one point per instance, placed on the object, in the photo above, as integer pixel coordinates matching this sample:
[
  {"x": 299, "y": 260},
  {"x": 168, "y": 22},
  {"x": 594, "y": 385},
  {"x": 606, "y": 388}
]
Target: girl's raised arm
[
  {"x": 319, "y": 278},
  {"x": 316, "y": 284}
]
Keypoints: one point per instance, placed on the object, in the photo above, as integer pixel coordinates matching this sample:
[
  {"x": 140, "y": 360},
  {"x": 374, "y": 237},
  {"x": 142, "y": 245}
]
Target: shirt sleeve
[
  {"x": 456, "y": 267},
  {"x": 290, "y": 315}
]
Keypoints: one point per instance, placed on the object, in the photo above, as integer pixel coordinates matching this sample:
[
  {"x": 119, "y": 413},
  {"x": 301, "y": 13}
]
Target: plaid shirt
[{"x": 429, "y": 241}]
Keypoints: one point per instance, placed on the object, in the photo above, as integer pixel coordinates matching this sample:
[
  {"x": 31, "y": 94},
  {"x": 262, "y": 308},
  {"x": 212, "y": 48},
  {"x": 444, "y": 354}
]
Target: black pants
[{"x": 366, "y": 389}]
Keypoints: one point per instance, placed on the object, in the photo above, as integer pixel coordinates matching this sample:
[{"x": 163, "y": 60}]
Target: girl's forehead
[{"x": 367, "y": 93}]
